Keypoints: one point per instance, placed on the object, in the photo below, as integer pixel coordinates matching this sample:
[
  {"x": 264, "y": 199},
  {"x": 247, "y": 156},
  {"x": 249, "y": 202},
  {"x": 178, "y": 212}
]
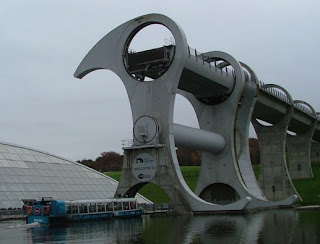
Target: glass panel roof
[{"x": 27, "y": 173}]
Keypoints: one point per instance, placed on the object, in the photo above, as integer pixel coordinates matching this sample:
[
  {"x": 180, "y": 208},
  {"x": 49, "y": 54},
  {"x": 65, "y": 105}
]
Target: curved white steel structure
[{"x": 225, "y": 94}]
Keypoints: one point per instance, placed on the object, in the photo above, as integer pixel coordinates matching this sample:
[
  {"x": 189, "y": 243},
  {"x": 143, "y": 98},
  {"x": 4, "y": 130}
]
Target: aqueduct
[{"x": 226, "y": 95}]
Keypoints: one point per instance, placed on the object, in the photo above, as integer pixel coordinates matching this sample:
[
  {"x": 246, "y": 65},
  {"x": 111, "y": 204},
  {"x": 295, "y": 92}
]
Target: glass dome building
[{"x": 30, "y": 174}]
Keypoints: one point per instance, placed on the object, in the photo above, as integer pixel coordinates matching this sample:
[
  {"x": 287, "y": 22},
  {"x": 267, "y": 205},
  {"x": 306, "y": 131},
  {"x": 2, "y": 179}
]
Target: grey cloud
[{"x": 42, "y": 42}]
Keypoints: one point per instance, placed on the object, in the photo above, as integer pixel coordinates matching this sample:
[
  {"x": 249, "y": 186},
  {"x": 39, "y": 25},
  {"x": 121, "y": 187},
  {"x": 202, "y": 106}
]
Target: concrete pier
[
  {"x": 299, "y": 148},
  {"x": 315, "y": 153},
  {"x": 274, "y": 178}
]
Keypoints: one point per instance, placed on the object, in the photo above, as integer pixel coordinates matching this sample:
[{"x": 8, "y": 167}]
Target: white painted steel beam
[{"x": 200, "y": 140}]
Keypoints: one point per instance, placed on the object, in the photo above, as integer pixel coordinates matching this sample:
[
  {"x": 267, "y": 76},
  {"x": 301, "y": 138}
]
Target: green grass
[
  {"x": 309, "y": 189},
  {"x": 114, "y": 175},
  {"x": 256, "y": 170},
  {"x": 155, "y": 193},
  {"x": 191, "y": 175},
  {"x": 150, "y": 191}
]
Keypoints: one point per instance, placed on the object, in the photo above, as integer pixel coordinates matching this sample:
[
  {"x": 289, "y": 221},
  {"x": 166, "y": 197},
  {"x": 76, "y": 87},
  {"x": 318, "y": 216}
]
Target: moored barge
[{"x": 50, "y": 211}]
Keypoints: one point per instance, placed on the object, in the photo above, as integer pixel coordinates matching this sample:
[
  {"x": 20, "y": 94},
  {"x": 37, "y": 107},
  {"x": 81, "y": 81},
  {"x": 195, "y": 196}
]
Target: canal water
[{"x": 272, "y": 226}]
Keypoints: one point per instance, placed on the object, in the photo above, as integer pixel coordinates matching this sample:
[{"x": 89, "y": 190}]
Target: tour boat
[{"x": 50, "y": 211}]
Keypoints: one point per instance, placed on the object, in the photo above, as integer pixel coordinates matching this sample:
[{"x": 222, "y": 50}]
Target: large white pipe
[{"x": 198, "y": 139}]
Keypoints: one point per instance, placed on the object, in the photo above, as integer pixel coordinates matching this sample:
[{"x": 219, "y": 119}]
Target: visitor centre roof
[{"x": 30, "y": 174}]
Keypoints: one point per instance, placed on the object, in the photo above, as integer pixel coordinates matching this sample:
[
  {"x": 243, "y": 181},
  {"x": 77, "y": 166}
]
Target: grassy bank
[
  {"x": 155, "y": 193},
  {"x": 309, "y": 189}
]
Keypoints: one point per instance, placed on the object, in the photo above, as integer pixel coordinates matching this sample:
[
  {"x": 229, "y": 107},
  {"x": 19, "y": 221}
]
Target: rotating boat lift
[{"x": 223, "y": 101}]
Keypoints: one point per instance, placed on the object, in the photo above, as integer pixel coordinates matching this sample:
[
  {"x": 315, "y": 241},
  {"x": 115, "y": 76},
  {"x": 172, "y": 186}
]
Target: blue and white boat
[{"x": 50, "y": 211}]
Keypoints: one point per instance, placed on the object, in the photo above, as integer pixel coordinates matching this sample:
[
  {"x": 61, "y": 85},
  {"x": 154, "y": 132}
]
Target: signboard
[{"x": 144, "y": 167}]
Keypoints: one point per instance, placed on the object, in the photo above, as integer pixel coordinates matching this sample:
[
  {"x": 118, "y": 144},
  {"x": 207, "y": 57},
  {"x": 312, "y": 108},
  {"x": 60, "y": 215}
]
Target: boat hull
[{"x": 50, "y": 220}]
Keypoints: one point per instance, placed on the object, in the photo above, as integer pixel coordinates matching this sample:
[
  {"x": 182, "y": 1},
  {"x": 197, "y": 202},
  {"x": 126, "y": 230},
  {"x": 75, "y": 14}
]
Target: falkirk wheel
[{"x": 223, "y": 100}]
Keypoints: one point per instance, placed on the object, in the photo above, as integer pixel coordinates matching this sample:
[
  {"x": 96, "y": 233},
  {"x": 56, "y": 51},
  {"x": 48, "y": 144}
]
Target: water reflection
[
  {"x": 111, "y": 231},
  {"x": 276, "y": 223},
  {"x": 273, "y": 226}
]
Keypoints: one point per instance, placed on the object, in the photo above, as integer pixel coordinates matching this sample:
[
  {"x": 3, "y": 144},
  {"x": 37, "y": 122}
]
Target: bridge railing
[
  {"x": 203, "y": 58},
  {"x": 149, "y": 208},
  {"x": 6, "y": 214},
  {"x": 274, "y": 92},
  {"x": 303, "y": 108},
  {"x": 271, "y": 90},
  {"x": 127, "y": 143}
]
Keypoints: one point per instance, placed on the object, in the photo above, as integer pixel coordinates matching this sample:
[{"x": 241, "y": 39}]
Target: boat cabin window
[
  {"x": 74, "y": 209},
  {"x": 69, "y": 207},
  {"x": 117, "y": 206},
  {"x": 126, "y": 205},
  {"x": 83, "y": 208},
  {"x": 101, "y": 207},
  {"x": 109, "y": 206},
  {"x": 92, "y": 208},
  {"x": 133, "y": 205}
]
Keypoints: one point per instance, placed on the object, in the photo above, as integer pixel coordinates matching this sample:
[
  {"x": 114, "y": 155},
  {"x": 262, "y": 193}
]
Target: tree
[
  {"x": 187, "y": 157},
  {"x": 108, "y": 161}
]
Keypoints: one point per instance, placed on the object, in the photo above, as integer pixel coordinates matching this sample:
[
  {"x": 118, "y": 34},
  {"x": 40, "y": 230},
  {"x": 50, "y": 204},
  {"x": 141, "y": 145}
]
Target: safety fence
[
  {"x": 282, "y": 96},
  {"x": 151, "y": 208},
  {"x": 206, "y": 60},
  {"x": 12, "y": 214}
]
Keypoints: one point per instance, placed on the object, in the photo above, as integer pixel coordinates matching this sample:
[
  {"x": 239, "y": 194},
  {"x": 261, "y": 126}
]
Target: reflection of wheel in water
[{"x": 222, "y": 228}]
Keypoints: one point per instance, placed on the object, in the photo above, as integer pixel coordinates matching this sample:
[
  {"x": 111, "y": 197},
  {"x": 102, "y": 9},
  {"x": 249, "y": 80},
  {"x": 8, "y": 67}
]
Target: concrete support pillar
[
  {"x": 315, "y": 153},
  {"x": 244, "y": 115},
  {"x": 151, "y": 165},
  {"x": 299, "y": 147},
  {"x": 274, "y": 178}
]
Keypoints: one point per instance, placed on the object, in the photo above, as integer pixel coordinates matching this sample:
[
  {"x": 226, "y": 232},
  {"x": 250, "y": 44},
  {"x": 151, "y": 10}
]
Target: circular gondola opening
[{"x": 149, "y": 52}]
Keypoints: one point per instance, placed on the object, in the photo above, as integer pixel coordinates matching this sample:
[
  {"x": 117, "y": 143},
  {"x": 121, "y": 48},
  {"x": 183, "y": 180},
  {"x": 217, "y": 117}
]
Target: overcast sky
[{"x": 42, "y": 42}]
